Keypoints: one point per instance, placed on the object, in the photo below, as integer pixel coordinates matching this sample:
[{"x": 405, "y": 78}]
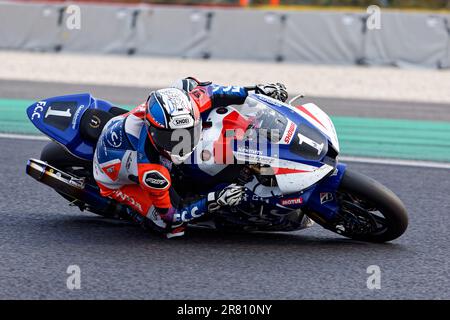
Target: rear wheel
[{"x": 368, "y": 210}]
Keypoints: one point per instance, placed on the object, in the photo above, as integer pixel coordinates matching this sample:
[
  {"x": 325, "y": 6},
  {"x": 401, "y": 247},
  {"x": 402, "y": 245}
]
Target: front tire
[
  {"x": 368, "y": 201},
  {"x": 368, "y": 211}
]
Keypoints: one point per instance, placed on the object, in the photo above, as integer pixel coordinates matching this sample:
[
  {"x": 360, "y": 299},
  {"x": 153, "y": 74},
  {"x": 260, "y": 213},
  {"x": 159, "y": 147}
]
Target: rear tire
[
  {"x": 57, "y": 156},
  {"x": 366, "y": 190}
]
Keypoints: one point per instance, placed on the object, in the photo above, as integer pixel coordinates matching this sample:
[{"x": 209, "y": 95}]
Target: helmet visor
[{"x": 179, "y": 142}]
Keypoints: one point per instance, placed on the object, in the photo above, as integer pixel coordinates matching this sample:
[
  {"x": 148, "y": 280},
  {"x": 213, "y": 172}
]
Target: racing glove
[
  {"x": 273, "y": 90},
  {"x": 229, "y": 196},
  {"x": 189, "y": 83}
]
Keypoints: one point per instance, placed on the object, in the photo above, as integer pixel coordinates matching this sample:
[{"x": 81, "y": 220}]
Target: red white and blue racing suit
[{"x": 130, "y": 170}]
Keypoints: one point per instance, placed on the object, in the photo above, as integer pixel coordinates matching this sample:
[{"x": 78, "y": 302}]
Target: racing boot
[{"x": 173, "y": 228}]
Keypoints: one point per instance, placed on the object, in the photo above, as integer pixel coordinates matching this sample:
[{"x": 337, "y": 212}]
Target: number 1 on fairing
[
  {"x": 58, "y": 113},
  {"x": 312, "y": 143}
]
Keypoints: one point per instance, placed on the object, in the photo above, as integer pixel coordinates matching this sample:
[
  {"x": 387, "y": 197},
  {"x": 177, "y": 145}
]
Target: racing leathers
[{"x": 129, "y": 169}]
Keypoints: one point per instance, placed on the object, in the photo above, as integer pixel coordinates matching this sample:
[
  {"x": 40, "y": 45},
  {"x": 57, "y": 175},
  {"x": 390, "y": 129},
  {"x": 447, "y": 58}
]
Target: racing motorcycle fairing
[
  {"x": 60, "y": 119},
  {"x": 319, "y": 197},
  {"x": 269, "y": 209},
  {"x": 299, "y": 153},
  {"x": 323, "y": 198},
  {"x": 309, "y": 112},
  {"x": 301, "y": 157}
]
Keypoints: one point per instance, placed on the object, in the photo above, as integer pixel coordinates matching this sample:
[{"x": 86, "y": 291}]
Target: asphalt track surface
[
  {"x": 134, "y": 95},
  {"x": 40, "y": 236}
]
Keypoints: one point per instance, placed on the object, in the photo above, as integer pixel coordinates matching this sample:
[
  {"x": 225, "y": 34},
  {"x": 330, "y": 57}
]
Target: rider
[{"x": 136, "y": 151}]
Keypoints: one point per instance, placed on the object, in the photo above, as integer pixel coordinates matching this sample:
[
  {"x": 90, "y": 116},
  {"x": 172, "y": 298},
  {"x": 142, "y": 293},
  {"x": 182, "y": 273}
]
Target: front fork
[{"x": 323, "y": 205}]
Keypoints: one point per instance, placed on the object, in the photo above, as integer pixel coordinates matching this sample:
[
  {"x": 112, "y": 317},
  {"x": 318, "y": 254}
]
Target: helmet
[{"x": 173, "y": 123}]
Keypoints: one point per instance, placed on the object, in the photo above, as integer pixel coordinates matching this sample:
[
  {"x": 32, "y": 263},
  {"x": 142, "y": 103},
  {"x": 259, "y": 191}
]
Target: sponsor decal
[
  {"x": 270, "y": 100},
  {"x": 116, "y": 139},
  {"x": 38, "y": 109},
  {"x": 114, "y": 135},
  {"x": 326, "y": 197},
  {"x": 243, "y": 156},
  {"x": 112, "y": 169},
  {"x": 181, "y": 122},
  {"x": 95, "y": 122},
  {"x": 250, "y": 151},
  {"x": 290, "y": 133},
  {"x": 228, "y": 89},
  {"x": 77, "y": 114},
  {"x": 187, "y": 216},
  {"x": 291, "y": 201},
  {"x": 255, "y": 198},
  {"x": 155, "y": 180},
  {"x": 128, "y": 162},
  {"x": 76, "y": 183},
  {"x": 119, "y": 195}
]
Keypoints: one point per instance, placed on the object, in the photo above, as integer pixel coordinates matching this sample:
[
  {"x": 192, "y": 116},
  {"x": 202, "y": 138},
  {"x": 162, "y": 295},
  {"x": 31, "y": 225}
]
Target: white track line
[
  {"x": 398, "y": 162},
  {"x": 23, "y": 136},
  {"x": 393, "y": 162}
]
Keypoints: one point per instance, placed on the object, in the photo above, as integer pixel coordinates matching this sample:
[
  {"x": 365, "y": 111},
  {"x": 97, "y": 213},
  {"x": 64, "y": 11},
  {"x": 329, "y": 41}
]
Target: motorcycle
[{"x": 285, "y": 154}]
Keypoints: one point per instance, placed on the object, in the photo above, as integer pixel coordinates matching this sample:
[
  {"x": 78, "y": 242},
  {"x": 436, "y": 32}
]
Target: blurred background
[
  {"x": 380, "y": 68},
  {"x": 427, "y": 4}
]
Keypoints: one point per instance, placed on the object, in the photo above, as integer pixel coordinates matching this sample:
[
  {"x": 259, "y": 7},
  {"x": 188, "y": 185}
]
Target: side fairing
[
  {"x": 323, "y": 199},
  {"x": 321, "y": 121},
  {"x": 305, "y": 158},
  {"x": 299, "y": 155},
  {"x": 293, "y": 182},
  {"x": 59, "y": 118}
]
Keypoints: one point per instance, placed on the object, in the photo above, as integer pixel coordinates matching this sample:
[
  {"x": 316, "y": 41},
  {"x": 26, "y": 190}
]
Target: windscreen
[{"x": 264, "y": 121}]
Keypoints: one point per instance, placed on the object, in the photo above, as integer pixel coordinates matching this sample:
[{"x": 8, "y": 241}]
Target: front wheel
[{"x": 368, "y": 211}]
